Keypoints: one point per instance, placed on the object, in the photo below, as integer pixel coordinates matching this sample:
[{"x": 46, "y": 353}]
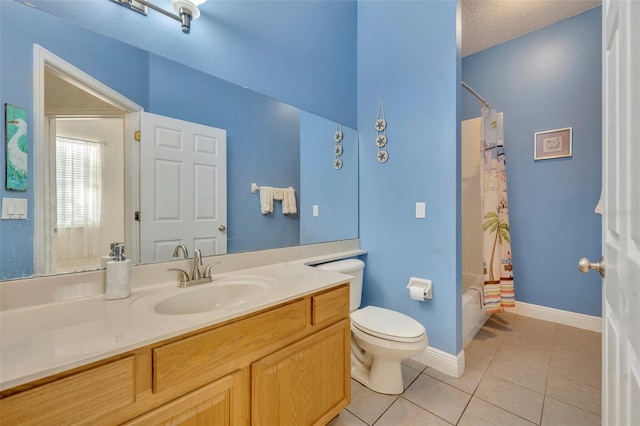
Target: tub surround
[{"x": 39, "y": 340}]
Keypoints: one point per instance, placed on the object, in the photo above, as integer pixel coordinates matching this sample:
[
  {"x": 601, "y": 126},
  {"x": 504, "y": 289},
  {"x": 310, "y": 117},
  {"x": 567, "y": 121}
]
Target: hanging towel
[
  {"x": 289, "y": 201},
  {"x": 278, "y": 194},
  {"x": 266, "y": 199}
]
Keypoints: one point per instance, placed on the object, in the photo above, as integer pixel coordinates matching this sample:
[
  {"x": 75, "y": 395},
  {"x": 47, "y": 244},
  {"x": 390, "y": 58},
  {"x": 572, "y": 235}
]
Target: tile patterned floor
[{"x": 519, "y": 371}]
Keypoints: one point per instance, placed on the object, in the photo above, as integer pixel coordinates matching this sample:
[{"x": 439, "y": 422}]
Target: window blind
[{"x": 78, "y": 183}]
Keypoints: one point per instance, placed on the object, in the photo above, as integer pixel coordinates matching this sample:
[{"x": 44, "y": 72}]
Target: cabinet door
[
  {"x": 223, "y": 402},
  {"x": 306, "y": 383}
]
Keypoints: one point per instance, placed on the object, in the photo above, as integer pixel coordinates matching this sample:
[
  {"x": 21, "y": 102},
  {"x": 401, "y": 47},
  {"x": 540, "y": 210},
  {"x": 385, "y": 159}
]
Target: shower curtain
[{"x": 496, "y": 244}]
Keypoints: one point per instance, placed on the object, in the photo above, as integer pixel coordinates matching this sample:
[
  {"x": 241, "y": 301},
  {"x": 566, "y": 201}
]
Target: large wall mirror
[{"x": 266, "y": 142}]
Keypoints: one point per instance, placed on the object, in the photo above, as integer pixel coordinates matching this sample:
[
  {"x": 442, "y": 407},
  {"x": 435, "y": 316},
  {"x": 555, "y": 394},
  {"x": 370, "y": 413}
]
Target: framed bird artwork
[{"x": 16, "y": 158}]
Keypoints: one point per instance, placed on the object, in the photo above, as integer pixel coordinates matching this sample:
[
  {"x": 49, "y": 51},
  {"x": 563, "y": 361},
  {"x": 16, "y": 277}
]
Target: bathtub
[{"x": 473, "y": 315}]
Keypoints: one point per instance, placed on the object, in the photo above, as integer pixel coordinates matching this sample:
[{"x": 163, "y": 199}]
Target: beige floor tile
[
  {"x": 477, "y": 358},
  {"x": 367, "y": 404},
  {"x": 511, "y": 397},
  {"x": 439, "y": 398},
  {"x": 346, "y": 419},
  {"x": 481, "y": 413},
  {"x": 556, "y": 413},
  {"x": 535, "y": 340},
  {"x": 574, "y": 393},
  {"x": 536, "y": 357},
  {"x": 585, "y": 339},
  {"x": 468, "y": 382},
  {"x": 522, "y": 374},
  {"x": 405, "y": 413},
  {"x": 506, "y": 317},
  {"x": 577, "y": 371},
  {"x": 486, "y": 341},
  {"x": 578, "y": 354},
  {"x": 498, "y": 326},
  {"x": 416, "y": 365},
  {"x": 408, "y": 375}
]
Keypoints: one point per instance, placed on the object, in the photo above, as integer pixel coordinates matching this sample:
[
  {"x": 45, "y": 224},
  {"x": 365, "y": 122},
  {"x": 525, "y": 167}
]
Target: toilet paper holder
[{"x": 425, "y": 285}]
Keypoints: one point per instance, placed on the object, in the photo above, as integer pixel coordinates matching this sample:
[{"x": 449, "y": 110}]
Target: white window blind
[{"x": 78, "y": 183}]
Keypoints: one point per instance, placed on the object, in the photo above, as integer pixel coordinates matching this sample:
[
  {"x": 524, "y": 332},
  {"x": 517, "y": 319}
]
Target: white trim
[
  {"x": 573, "y": 319},
  {"x": 444, "y": 362},
  {"x": 45, "y": 60}
]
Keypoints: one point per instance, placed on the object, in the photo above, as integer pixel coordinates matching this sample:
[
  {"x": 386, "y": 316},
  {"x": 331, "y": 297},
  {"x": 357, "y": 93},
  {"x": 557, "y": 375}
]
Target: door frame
[{"x": 45, "y": 60}]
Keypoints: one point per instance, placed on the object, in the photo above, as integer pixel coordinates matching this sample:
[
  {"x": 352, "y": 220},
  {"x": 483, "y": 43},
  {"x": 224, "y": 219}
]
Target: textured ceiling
[{"x": 486, "y": 23}]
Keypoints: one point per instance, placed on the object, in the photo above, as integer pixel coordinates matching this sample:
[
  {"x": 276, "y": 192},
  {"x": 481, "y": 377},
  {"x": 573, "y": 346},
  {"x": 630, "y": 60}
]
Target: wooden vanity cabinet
[{"x": 286, "y": 365}]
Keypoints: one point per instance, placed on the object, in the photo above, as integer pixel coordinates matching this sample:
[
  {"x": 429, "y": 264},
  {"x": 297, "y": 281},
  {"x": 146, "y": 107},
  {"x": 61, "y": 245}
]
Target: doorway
[{"x": 76, "y": 219}]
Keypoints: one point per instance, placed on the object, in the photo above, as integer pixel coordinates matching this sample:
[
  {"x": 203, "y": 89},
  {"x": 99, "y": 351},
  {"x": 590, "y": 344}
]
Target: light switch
[
  {"x": 421, "y": 210},
  {"x": 315, "y": 210},
  {"x": 14, "y": 208}
]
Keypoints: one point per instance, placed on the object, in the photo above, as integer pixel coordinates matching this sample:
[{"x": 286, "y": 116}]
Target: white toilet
[{"x": 380, "y": 338}]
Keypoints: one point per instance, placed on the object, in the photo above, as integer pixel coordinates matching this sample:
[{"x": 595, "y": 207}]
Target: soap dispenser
[
  {"x": 112, "y": 254},
  {"x": 118, "y": 285}
]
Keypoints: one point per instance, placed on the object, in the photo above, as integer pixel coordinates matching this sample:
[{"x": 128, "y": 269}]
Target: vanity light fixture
[{"x": 186, "y": 10}]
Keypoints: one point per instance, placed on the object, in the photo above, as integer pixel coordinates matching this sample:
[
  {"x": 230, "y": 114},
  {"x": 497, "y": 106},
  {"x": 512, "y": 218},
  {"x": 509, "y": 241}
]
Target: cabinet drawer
[
  {"x": 333, "y": 304},
  {"x": 87, "y": 397},
  {"x": 200, "y": 359}
]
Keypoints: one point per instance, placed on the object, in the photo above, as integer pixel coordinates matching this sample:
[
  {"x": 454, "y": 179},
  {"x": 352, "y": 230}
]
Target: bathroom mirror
[{"x": 269, "y": 143}]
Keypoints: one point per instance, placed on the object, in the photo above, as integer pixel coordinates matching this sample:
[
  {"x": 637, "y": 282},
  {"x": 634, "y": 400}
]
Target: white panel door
[
  {"x": 621, "y": 217},
  {"x": 183, "y": 188}
]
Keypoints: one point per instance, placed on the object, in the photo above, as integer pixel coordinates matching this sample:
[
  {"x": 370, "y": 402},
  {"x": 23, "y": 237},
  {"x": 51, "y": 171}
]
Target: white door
[
  {"x": 621, "y": 217},
  {"x": 183, "y": 188}
]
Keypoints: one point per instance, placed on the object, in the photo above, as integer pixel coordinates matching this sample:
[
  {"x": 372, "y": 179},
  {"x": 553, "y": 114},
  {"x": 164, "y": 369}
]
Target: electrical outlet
[{"x": 421, "y": 210}]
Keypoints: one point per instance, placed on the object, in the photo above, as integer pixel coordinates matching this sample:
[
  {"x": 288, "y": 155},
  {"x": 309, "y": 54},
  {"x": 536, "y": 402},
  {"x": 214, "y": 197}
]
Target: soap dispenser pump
[{"x": 118, "y": 283}]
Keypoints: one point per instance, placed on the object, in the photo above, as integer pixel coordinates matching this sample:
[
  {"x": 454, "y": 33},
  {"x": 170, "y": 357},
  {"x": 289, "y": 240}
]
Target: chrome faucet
[
  {"x": 196, "y": 276},
  {"x": 197, "y": 262},
  {"x": 176, "y": 251}
]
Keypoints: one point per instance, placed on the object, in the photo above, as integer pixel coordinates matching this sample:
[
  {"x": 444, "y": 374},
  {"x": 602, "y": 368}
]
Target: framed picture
[
  {"x": 15, "y": 121},
  {"x": 552, "y": 144}
]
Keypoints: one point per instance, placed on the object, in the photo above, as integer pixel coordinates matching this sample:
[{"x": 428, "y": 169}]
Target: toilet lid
[{"x": 386, "y": 323}]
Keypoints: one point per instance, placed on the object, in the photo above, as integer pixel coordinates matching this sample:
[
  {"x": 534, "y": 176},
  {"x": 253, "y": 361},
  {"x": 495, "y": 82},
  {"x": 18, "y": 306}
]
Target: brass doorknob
[
  {"x": 222, "y": 228},
  {"x": 585, "y": 266}
]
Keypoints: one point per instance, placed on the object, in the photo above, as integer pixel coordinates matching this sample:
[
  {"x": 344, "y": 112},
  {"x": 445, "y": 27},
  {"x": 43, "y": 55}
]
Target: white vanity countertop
[{"x": 43, "y": 340}]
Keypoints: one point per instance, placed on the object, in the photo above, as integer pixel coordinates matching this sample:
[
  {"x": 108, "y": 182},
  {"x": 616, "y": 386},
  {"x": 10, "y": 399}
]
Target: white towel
[
  {"x": 278, "y": 194},
  {"x": 289, "y": 201},
  {"x": 266, "y": 199}
]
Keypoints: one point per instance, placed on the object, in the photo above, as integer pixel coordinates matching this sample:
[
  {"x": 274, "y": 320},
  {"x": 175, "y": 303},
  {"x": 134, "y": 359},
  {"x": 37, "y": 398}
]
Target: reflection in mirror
[
  {"x": 87, "y": 192},
  {"x": 268, "y": 142}
]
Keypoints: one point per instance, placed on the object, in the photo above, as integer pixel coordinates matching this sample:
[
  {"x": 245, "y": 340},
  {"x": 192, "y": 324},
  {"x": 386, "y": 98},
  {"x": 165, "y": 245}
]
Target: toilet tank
[{"x": 355, "y": 268}]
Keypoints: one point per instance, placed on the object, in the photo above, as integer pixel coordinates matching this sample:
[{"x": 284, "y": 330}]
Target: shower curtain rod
[{"x": 474, "y": 93}]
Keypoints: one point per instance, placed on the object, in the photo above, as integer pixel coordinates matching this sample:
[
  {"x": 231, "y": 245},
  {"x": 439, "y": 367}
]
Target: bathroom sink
[{"x": 218, "y": 295}]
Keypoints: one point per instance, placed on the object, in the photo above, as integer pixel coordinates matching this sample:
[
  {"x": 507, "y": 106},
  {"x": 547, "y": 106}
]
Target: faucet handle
[
  {"x": 207, "y": 271},
  {"x": 184, "y": 276}
]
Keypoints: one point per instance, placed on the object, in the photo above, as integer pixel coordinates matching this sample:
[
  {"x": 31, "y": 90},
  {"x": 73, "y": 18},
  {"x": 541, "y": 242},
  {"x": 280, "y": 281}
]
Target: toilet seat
[{"x": 387, "y": 324}]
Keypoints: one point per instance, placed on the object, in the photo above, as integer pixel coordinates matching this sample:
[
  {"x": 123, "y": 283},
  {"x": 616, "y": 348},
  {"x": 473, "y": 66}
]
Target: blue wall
[
  {"x": 408, "y": 57},
  {"x": 549, "y": 79},
  {"x": 300, "y": 52},
  {"x": 335, "y": 192}
]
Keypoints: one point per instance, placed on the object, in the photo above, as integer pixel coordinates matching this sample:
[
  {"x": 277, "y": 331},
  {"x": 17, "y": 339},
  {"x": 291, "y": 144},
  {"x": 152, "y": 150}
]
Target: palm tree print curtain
[{"x": 498, "y": 272}]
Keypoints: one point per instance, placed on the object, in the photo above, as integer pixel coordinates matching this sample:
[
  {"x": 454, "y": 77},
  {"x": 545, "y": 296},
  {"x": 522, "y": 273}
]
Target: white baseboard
[
  {"x": 442, "y": 361},
  {"x": 573, "y": 319}
]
